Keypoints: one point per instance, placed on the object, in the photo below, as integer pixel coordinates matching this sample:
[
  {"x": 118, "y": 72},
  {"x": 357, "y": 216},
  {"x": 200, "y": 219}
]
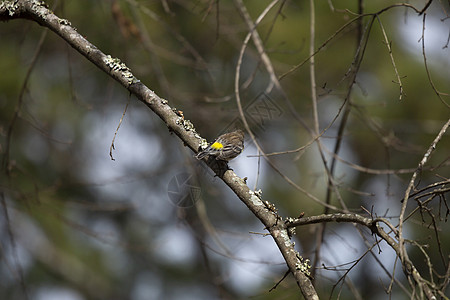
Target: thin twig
[
  {"x": 388, "y": 45},
  {"x": 111, "y": 148},
  {"x": 438, "y": 93},
  {"x": 244, "y": 120}
]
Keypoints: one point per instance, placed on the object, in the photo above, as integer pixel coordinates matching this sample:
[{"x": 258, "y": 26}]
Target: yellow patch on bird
[{"x": 217, "y": 146}]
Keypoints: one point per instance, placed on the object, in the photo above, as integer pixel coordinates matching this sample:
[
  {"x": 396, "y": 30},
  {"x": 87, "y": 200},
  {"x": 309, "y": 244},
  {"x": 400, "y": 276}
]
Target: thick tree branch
[
  {"x": 184, "y": 129},
  {"x": 373, "y": 224}
]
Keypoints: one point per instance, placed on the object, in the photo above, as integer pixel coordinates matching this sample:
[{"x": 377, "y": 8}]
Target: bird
[{"x": 225, "y": 147}]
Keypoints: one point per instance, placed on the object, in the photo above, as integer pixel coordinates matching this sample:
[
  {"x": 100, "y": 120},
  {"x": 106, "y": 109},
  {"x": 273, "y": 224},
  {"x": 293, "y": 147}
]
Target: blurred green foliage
[{"x": 105, "y": 229}]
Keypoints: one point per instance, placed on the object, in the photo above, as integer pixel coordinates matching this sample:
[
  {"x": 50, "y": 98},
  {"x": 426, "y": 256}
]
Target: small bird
[{"x": 225, "y": 147}]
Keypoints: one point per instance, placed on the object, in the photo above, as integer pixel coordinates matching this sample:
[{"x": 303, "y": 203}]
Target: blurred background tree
[{"x": 154, "y": 223}]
